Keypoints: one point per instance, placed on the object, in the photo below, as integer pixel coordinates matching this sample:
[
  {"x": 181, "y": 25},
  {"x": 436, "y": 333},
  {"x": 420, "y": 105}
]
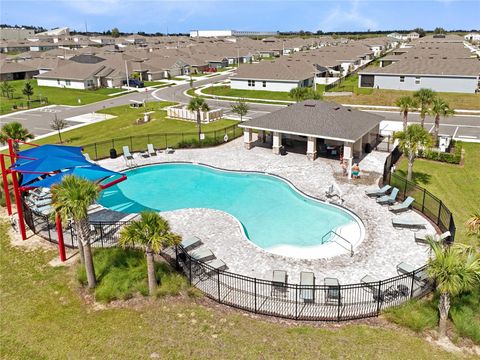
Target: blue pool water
[{"x": 271, "y": 211}]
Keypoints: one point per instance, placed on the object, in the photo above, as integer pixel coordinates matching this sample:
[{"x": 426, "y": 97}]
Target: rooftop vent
[
  {"x": 309, "y": 104},
  {"x": 336, "y": 108}
]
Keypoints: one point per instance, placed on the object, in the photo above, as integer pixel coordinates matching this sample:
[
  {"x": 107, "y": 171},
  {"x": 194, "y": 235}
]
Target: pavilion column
[
  {"x": 358, "y": 148},
  {"x": 311, "y": 148},
  {"x": 348, "y": 157},
  {"x": 247, "y": 138},
  {"x": 277, "y": 142}
]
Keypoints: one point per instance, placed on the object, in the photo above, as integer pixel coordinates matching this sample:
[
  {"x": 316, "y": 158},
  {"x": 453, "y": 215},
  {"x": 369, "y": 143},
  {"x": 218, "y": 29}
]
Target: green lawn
[
  {"x": 351, "y": 84},
  {"x": 54, "y": 95},
  {"x": 457, "y": 186},
  {"x": 255, "y": 94},
  {"x": 43, "y": 316},
  {"x": 156, "y": 83}
]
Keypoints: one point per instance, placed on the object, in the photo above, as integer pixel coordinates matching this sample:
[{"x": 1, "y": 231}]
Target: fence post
[
  {"x": 413, "y": 282},
  {"x": 166, "y": 141},
  {"x": 423, "y": 201},
  {"x": 101, "y": 234},
  {"x": 379, "y": 296},
  {"x": 439, "y": 212},
  {"x": 405, "y": 189},
  {"x": 131, "y": 144},
  {"x": 339, "y": 303},
  {"x": 255, "y": 292},
  {"x": 176, "y": 257},
  {"x": 96, "y": 153},
  {"x": 189, "y": 270},
  {"x": 113, "y": 143},
  {"x": 218, "y": 284},
  {"x": 296, "y": 301}
]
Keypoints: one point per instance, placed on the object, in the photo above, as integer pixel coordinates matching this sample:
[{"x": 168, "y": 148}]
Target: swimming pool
[{"x": 272, "y": 213}]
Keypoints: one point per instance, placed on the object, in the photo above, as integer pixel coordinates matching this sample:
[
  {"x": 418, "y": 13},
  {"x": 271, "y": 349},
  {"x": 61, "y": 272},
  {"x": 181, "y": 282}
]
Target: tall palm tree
[
  {"x": 411, "y": 140},
  {"x": 406, "y": 104},
  {"x": 198, "y": 105},
  {"x": 424, "y": 98},
  {"x": 15, "y": 130},
  {"x": 153, "y": 233},
  {"x": 71, "y": 199},
  {"x": 439, "y": 108},
  {"x": 455, "y": 269}
]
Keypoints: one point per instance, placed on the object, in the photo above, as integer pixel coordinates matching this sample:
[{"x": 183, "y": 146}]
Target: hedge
[{"x": 451, "y": 158}]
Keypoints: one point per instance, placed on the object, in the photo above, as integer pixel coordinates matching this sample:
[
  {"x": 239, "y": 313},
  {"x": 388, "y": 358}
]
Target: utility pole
[{"x": 126, "y": 73}]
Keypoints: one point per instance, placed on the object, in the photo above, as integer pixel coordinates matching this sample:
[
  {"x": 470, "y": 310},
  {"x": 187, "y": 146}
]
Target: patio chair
[
  {"x": 422, "y": 238},
  {"x": 307, "y": 286},
  {"x": 279, "y": 281},
  {"x": 126, "y": 153},
  {"x": 217, "y": 264},
  {"x": 404, "y": 206},
  {"x": 40, "y": 193},
  {"x": 405, "y": 268},
  {"x": 405, "y": 222},
  {"x": 388, "y": 199},
  {"x": 151, "y": 150},
  {"x": 420, "y": 277},
  {"x": 378, "y": 191},
  {"x": 169, "y": 150},
  {"x": 371, "y": 285},
  {"x": 203, "y": 254},
  {"x": 332, "y": 296},
  {"x": 43, "y": 210},
  {"x": 191, "y": 243}
]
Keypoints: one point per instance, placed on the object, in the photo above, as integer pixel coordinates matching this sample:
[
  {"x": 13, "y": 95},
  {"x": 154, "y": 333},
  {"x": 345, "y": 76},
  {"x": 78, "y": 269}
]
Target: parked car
[{"x": 134, "y": 83}]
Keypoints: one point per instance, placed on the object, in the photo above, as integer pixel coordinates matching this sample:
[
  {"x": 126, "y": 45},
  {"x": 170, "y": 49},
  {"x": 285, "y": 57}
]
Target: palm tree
[
  {"x": 411, "y": 140},
  {"x": 28, "y": 90},
  {"x": 7, "y": 89},
  {"x": 455, "y": 269},
  {"x": 425, "y": 98},
  {"x": 439, "y": 108},
  {"x": 297, "y": 93},
  {"x": 153, "y": 233},
  {"x": 473, "y": 224},
  {"x": 71, "y": 199},
  {"x": 198, "y": 105},
  {"x": 406, "y": 104},
  {"x": 240, "y": 108},
  {"x": 15, "y": 130}
]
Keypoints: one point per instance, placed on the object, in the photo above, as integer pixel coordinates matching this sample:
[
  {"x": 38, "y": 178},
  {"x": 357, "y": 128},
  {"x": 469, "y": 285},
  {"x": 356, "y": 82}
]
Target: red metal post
[
  {"x": 61, "y": 245},
  {"x": 10, "y": 149},
  {"x": 18, "y": 201},
  {"x": 5, "y": 184}
]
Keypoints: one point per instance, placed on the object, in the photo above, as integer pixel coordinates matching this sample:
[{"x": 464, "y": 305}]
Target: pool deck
[{"x": 377, "y": 255}]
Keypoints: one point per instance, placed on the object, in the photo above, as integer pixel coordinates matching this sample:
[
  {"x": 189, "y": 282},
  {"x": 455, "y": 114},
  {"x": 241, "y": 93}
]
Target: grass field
[
  {"x": 43, "y": 316},
  {"x": 55, "y": 95},
  {"x": 351, "y": 84},
  {"x": 254, "y": 94}
]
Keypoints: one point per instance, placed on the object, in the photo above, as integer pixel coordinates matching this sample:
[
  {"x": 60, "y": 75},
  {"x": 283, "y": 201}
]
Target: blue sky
[{"x": 182, "y": 16}]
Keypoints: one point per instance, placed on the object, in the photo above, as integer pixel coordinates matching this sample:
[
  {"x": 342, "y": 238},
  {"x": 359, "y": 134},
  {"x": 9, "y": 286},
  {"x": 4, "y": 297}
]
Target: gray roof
[{"x": 322, "y": 119}]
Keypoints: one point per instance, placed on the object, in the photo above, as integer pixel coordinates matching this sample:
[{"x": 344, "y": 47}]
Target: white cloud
[{"x": 340, "y": 18}]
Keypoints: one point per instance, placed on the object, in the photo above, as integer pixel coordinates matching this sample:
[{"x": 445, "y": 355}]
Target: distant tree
[
  {"x": 115, "y": 33},
  {"x": 7, "y": 90},
  {"x": 424, "y": 98},
  {"x": 304, "y": 93},
  {"x": 135, "y": 75},
  {"x": 198, "y": 105},
  {"x": 439, "y": 30},
  {"x": 15, "y": 130},
  {"x": 411, "y": 140},
  {"x": 420, "y": 31},
  {"x": 439, "y": 108},
  {"x": 28, "y": 90},
  {"x": 58, "y": 124},
  {"x": 406, "y": 104},
  {"x": 240, "y": 108}
]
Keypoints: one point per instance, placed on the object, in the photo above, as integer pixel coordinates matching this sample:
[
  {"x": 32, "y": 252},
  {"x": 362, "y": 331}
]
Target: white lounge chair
[
  {"x": 388, "y": 199},
  {"x": 203, "y": 254},
  {"x": 279, "y": 281},
  {"x": 422, "y": 238},
  {"x": 404, "y": 222},
  {"x": 169, "y": 150},
  {"x": 126, "y": 153},
  {"x": 378, "y": 191},
  {"x": 151, "y": 150},
  {"x": 404, "y": 206},
  {"x": 191, "y": 243},
  {"x": 217, "y": 264},
  {"x": 307, "y": 286},
  {"x": 332, "y": 296}
]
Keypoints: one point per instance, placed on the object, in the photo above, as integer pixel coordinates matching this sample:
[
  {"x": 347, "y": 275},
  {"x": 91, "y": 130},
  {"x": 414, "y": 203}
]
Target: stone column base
[
  {"x": 248, "y": 145},
  {"x": 311, "y": 156},
  {"x": 276, "y": 150}
]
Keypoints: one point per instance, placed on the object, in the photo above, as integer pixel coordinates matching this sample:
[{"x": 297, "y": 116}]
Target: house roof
[
  {"x": 73, "y": 71},
  {"x": 274, "y": 70},
  {"x": 322, "y": 119}
]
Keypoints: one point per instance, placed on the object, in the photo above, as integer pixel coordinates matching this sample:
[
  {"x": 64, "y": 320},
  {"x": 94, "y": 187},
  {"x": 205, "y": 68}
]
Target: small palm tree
[
  {"x": 439, "y": 108},
  {"x": 153, "y": 233},
  {"x": 7, "y": 89},
  {"x": 15, "y": 130},
  {"x": 28, "y": 90},
  {"x": 71, "y": 199},
  {"x": 298, "y": 94},
  {"x": 473, "y": 224},
  {"x": 424, "y": 98},
  {"x": 198, "y": 105},
  {"x": 406, "y": 104},
  {"x": 411, "y": 140},
  {"x": 240, "y": 108},
  {"x": 455, "y": 269}
]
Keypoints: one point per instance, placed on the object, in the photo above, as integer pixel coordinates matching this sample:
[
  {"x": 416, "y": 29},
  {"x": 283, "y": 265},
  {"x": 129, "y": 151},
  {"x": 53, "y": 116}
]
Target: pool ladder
[{"x": 340, "y": 237}]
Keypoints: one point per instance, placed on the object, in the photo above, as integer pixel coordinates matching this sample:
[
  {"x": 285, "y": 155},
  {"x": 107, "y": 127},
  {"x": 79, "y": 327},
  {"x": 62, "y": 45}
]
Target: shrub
[
  {"x": 194, "y": 143},
  {"x": 417, "y": 315},
  {"x": 465, "y": 314},
  {"x": 450, "y": 158}
]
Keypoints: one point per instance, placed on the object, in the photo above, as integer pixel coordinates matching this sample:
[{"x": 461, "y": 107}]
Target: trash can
[
  {"x": 113, "y": 154},
  {"x": 368, "y": 148},
  {"x": 283, "y": 152}
]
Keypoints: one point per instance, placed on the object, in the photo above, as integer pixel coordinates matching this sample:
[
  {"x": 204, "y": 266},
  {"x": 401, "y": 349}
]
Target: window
[
  {"x": 89, "y": 83},
  {"x": 402, "y": 78},
  {"x": 251, "y": 82},
  {"x": 417, "y": 80},
  {"x": 67, "y": 82},
  {"x": 264, "y": 83}
]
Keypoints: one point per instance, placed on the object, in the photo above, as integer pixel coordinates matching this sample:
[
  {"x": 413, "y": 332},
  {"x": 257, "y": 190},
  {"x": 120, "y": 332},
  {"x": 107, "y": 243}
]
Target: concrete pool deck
[{"x": 377, "y": 255}]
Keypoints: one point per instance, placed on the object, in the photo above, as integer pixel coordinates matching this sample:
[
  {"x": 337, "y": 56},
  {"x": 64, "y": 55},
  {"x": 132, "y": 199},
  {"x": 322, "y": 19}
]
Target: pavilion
[{"x": 311, "y": 121}]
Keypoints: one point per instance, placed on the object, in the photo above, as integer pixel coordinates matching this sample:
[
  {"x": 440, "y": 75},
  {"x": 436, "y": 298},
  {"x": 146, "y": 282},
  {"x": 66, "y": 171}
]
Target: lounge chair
[
  {"x": 388, "y": 199},
  {"x": 279, "y": 281},
  {"x": 307, "y": 286},
  {"x": 393, "y": 292},
  {"x": 203, "y": 254},
  {"x": 151, "y": 150},
  {"x": 169, "y": 150},
  {"x": 405, "y": 222},
  {"x": 43, "y": 210},
  {"x": 191, "y": 243},
  {"x": 40, "y": 193},
  {"x": 42, "y": 202},
  {"x": 404, "y": 206},
  {"x": 332, "y": 296},
  {"x": 378, "y": 192},
  {"x": 421, "y": 276},
  {"x": 422, "y": 238},
  {"x": 127, "y": 154},
  {"x": 217, "y": 264},
  {"x": 405, "y": 268}
]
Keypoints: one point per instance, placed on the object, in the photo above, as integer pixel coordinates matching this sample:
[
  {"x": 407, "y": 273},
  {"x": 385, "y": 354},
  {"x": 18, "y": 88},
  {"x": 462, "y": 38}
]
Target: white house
[
  {"x": 474, "y": 37},
  {"x": 72, "y": 76}
]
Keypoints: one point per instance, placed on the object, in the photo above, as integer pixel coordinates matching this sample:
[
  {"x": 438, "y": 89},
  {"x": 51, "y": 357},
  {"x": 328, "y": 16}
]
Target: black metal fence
[{"x": 100, "y": 150}]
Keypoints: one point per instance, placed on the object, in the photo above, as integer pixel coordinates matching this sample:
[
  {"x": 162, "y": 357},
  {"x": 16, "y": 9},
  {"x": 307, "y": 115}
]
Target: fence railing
[{"x": 101, "y": 149}]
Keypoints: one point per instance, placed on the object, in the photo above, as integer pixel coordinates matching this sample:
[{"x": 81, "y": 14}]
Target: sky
[{"x": 261, "y": 15}]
